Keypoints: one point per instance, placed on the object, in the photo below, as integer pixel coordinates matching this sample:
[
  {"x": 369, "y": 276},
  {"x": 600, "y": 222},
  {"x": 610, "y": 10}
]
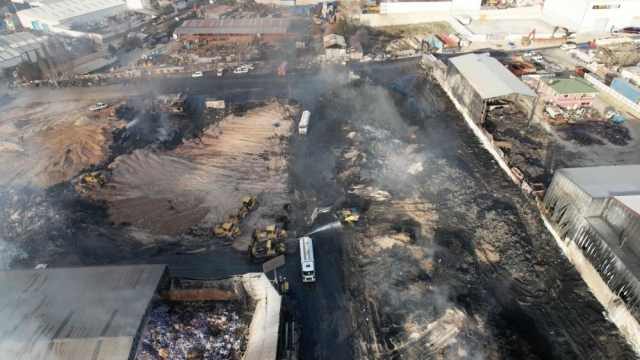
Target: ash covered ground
[{"x": 450, "y": 261}]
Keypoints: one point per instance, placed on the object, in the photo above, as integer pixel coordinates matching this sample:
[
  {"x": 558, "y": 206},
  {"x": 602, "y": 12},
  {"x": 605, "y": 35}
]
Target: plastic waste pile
[{"x": 203, "y": 330}]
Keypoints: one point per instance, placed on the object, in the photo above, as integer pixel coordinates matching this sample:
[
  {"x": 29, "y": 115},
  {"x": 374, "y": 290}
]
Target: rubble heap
[{"x": 199, "y": 330}]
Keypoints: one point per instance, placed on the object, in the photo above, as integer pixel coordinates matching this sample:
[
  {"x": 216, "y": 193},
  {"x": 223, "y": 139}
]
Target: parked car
[
  {"x": 220, "y": 72},
  {"x": 511, "y": 44},
  {"x": 568, "y": 46},
  {"x": 197, "y": 74},
  {"x": 240, "y": 71},
  {"x": 99, "y": 106},
  {"x": 538, "y": 58},
  {"x": 529, "y": 53},
  {"x": 248, "y": 66}
]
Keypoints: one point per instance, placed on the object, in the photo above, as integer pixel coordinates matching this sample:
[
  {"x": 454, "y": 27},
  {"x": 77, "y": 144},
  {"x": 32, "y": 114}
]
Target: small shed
[{"x": 335, "y": 47}]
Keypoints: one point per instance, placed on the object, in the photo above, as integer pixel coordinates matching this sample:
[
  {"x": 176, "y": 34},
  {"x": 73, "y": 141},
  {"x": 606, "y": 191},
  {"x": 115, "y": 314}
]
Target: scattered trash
[{"x": 194, "y": 330}]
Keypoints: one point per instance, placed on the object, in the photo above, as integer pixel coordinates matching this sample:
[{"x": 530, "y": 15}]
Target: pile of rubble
[{"x": 199, "y": 330}]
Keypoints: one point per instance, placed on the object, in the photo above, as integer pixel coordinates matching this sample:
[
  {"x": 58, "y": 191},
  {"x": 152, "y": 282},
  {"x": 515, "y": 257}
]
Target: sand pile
[
  {"x": 49, "y": 143},
  {"x": 204, "y": 179}
]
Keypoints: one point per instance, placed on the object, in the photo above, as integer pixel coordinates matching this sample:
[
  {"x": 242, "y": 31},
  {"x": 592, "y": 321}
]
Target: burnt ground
[
  {"x": 449, "y": 260},
  {"x": 455, "y": 263}
]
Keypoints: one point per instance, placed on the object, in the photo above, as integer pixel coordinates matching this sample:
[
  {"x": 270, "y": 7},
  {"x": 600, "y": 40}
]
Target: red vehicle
[{"x": 282, "y": 69}]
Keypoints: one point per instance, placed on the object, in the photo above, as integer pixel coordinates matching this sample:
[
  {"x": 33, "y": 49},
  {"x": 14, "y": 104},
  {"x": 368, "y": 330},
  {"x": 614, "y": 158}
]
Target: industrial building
[
  {"x": 62, "y": 16},
  {"x": 476, "y": 80},
  {"x": 18, "y": 47},
  {"x": 568, "y": 92},
  {"x": 593, "y": 15},
  {"x": 598, "y": 209},
  {"x": 76, "y": 313},
  {"x": 216, "y": 11},
  {"x": 237, "y": 29},
  {"x": 335, "y": 47}
]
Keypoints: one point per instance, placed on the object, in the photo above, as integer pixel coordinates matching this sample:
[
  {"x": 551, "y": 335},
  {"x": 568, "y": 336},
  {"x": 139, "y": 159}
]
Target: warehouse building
[
  {"x": 598, "y": 209},
  {"x": 76, "y": 313},
  {"x": 17, "y": 48},
  {"x": 476, "y": 80},
  {"x": 335, "y": 47},
  {"x": 238, "y": 29},
  {"x": 593, "y": 15},
  {"x": 64, "y": 15}
]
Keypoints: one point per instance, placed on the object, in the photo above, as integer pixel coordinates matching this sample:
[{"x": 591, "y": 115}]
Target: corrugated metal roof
[
  {"x": 489, "y": 77},
  {"x": 13, "y": 45},
  {"x": 334, "y": 40},
  {"x": 58, "y": 11},
  {"x": 602, "y": 181},
  {"x": 234, "y": 26},
  {"x": 74, "y": 313}
]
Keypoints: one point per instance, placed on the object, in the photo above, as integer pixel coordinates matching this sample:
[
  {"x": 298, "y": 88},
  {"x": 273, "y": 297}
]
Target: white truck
[
  {"x": 306, "y": 259},
  {"x": 304, "y": 123}
]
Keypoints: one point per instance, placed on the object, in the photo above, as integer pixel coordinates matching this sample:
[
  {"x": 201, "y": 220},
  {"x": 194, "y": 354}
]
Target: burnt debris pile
[{"x": 194, "y": 330}]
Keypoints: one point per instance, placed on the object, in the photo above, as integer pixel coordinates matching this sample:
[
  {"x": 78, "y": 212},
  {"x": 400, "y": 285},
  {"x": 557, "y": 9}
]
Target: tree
[
  {"x": 341, "y": 28},
  {"x": 29, "y": 71},
  {"x": 112, "y": 50}
]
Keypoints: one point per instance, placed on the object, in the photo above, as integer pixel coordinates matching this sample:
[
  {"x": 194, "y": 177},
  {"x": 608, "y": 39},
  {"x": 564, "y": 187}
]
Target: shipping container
[{"x": 626, "y": 89}]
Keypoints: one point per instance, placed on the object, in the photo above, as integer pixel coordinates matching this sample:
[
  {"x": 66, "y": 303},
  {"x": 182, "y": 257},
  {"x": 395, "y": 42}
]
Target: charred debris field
[{"x": 448, "y": 260}]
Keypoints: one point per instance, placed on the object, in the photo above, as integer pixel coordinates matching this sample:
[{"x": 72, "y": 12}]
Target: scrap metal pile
[{"x": 200, "y": 330}]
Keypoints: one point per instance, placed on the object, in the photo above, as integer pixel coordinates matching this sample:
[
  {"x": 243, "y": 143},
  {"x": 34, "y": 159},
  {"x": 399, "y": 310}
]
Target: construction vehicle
[
  {"x": 267, "y": 243},
  {"x": 526, "y": 40},
  {"x": 95, "y": 178},
  {"x": 345, "y": 215},
  {"x": 271, "y": 232},
  {"x": 349, "y": 215},
  {"x": 248, "y": 204},
  {"x": 228, "y": 230}
]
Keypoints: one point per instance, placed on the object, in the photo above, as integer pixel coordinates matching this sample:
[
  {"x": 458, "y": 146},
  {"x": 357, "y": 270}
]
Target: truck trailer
[
  {"x": 306, "y": 259},
  {"x": 304, "y": 123}
]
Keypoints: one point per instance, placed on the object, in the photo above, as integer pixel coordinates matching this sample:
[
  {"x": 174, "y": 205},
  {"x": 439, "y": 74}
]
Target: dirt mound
[{"x": 204, "y": 179}]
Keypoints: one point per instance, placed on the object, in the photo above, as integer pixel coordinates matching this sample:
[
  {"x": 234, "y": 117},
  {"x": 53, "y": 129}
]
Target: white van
[
  {"x": 304, "y": 123},
  {"x": 306, "y": 259}
]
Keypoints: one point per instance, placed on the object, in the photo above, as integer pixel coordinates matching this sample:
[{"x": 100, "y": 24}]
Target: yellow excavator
[
  {"x": 249, "y": 203},
  {"x": 96, "y": 178},
  {"x": 228, "y": 230},
  {"x": 267, "y": 243}
]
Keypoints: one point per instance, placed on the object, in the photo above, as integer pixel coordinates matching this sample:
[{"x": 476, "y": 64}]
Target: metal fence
[{"x": 600, "y": 85}]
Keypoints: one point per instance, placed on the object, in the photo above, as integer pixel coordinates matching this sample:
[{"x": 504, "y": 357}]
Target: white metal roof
[
  {"x": 74, "y": 313},
  {"x": 603, "y": 181},
  {"x": 66, "y": 9},
  {"x": 489, "y": 77},
  {"x": 630, "y": 201}
]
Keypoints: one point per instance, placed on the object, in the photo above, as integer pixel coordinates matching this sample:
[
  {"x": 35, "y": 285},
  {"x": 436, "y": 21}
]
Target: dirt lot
[
  {"x": 202, "y": 180},
  {"x": 449, "y": 260},
  {"x": 46, "y": 143}
]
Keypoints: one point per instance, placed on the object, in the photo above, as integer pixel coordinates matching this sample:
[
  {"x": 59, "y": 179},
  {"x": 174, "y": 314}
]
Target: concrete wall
[
  {"x": 286, "y": 2},
  {"x": 630, "y": 106},
  {"x": 414, "y": 7}
]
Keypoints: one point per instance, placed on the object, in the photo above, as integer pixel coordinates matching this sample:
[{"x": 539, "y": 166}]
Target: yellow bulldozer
[
  {"x": 267, "y": 243},
  {"x": 271, "y": 232},
  {"x": 96, "y": 178},
  {"x": 228, "y": 230},
  {"x": 350, "y": 215},
  {"x": 249, "y": 203}
]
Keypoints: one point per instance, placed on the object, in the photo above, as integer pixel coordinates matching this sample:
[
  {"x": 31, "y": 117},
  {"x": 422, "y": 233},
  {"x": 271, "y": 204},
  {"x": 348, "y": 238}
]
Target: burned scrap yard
[{"x": 347, "y": 213}]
